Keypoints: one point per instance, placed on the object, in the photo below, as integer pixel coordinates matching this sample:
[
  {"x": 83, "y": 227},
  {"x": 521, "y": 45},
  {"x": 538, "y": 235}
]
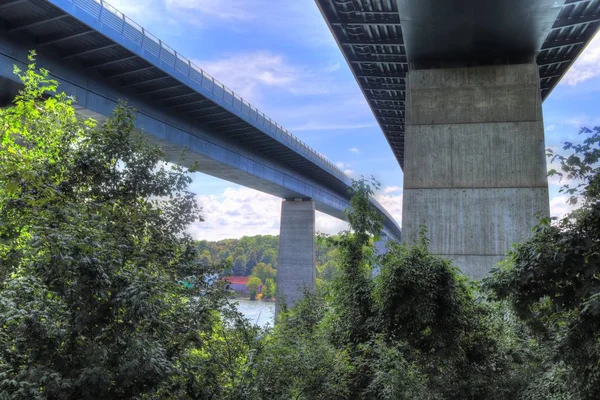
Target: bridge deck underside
[
  {"x": 57, "y": 31},
  {"x": 100, "y": 42},
  {"x": 370, "y": 35}
]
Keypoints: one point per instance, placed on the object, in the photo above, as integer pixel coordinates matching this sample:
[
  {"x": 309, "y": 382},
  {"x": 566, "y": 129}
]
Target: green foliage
[
  {"x": 327, "y": 261},
  {"x": 393, "y": 376},
  {"x": 581, "y": 168},
  {"x": 429, "y": 306},
  {"x": 420, "y": 330},
  {"x": 239, "y": 265},
  {"x": 352, "y": 287},
  {"x": 249, "y": 251},
  {"x": 298, "y": 361},
  {"x": 206, "y": 258},
  {"x": 270, "y": 289},
  {"x": 92, "y": 245},
  {"x": 264, "y": 271},
  {"x": 241, "y": 256},
  {"x": 253, "y": 286},
  {"x": 552, "y": 280},
  {"x": 422, "y": 299}
]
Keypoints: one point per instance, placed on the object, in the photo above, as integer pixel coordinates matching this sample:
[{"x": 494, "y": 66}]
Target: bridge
[
  {"x": 457, "y": 88},
  {"x": 98, "y": 55}
]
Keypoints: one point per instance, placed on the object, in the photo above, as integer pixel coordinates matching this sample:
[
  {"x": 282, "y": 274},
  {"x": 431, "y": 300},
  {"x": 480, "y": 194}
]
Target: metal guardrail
[{"x": 110, "y": 16}]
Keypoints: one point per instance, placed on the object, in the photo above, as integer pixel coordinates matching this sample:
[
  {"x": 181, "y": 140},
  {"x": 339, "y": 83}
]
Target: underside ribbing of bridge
[
  {"x": 297, "y": 246},
  {"x": 475, "y": 168}
]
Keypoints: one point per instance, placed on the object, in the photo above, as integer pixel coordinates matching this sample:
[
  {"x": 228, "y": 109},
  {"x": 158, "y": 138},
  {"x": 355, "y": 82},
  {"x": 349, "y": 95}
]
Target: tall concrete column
[
  {"x": 475, "y": 166},
  {"x": 297, "y": 246}
]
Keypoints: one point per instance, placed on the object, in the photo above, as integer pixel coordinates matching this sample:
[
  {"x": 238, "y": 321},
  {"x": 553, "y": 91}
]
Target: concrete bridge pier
[
  {"x": 297, "y": 247},
  {"x": 475, "y": 165}
]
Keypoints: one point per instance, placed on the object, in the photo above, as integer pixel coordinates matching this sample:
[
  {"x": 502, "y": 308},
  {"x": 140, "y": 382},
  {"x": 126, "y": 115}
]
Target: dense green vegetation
[
  {"x": 241, "y": 256},
  {"x": 553, "y": 280},
  {"x": 256, "y": 256},
  {"x": 93, "y": 243}
]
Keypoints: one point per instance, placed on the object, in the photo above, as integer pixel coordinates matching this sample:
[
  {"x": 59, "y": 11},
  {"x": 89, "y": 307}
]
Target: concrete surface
[
  {"x": 297, "y": 246},
  {"x": 475, "y": 167}
]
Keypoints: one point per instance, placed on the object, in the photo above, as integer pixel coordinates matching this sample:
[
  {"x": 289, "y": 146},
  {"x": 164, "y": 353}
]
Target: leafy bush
[{"x": 93, "y": 245}]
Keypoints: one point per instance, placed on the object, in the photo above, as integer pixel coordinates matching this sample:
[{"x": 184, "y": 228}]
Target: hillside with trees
[{"x": 253, "y": 255}]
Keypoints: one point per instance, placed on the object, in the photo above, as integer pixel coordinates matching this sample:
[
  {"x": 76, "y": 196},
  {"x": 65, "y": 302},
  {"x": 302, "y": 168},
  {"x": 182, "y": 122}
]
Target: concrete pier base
[
  {"x": 475, "y": 166},
  {"x": 297, "y": 247}
]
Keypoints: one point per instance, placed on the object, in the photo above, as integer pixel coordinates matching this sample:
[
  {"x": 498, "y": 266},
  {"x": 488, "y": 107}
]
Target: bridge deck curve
[{"x": 107, "y": 45}]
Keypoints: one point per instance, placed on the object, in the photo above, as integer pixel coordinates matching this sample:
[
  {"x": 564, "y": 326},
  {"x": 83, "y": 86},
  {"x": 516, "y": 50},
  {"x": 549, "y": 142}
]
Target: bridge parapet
[{"x": 106, "y": 19}]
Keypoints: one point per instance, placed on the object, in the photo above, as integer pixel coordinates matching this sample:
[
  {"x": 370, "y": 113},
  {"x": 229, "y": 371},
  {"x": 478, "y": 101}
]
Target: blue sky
[{"x": 280, "y": 56}]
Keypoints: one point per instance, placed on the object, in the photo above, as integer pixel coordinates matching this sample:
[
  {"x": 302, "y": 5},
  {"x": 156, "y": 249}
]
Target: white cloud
[
  {"x": 392, "y": 203},
  {"x": 235, "y": 213},
  {"x": 328, "y": 224},
  {"x": 200, "y": 11},
  {"x": 392, "y": 189},
  {"x": 577, "y": 121},
  {"x": 249, "y": 73},
  {"x": 151, "y": 14},
  {"x": 354, "y": 150},
  {"x": 559, "y": 206},
  {"x": 587, "y": 65},
  {"x": 343, "y": 108},
  {"x": 550, "y": 128},
  {"x": 241, "y": 211},
  {"x": 346, "y": 168},
  {"x": 237, "y": 15},
  {"x": 245, "y": 73}
]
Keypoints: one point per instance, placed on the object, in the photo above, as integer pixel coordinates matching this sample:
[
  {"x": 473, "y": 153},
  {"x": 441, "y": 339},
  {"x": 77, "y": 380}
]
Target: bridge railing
[{"x": 110, "y": 16}]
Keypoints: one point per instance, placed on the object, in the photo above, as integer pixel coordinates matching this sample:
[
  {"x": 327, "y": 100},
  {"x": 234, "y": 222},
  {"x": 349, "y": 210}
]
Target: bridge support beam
[
  {"x": 475, "y": 167},
  {"x": 297, "y": 246}
]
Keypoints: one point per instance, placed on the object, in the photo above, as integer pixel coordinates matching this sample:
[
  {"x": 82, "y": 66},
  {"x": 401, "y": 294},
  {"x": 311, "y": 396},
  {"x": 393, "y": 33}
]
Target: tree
[
  {"x": 419, "y": 331},
  {"x": 253, "y": 286},
  {"x": 239, "y": 266},
  {"x": 205, "y": 258},
  {"x": 263, "y": 272},
  {"x": 552, "y": 280},
  {"x": 250, "y": 261},
  {"x": 298, "y": 361},
  {"x": 93, "y": 244},
  {"x": 352, "y": 288},
  {"x": 228, "y": 264},
  {"x": 426, "y": 304},
  {"x": 269, "y": 289},
  {"x": 269, "y": 256}
]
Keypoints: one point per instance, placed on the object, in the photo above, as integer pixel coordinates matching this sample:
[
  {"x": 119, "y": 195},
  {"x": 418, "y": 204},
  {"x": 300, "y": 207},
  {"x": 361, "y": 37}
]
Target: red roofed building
[{"x": 238, "y": 283}]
